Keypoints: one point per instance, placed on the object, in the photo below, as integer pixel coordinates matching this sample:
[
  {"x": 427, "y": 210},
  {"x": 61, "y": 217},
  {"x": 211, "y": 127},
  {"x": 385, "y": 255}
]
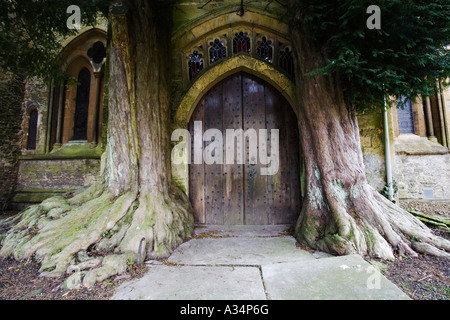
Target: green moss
[
  {"x": 78, "y": 150},
  {"x": 370, "y": 120},
  {"x": 33, "y": 197},
  {"x": 308, "y": 232},
  {"x": 180, "y": 184}
]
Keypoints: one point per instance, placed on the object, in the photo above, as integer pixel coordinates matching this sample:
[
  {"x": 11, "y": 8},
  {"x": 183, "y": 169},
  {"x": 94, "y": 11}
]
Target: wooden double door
[{"x": 236, "y": 193}]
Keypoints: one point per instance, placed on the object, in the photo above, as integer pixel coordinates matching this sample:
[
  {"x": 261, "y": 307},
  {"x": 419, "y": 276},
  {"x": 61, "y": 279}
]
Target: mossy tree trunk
[
  {"x": 342, "y": 213},
  {"x": 135, "y": 198},
  {"x": 139, "y": 139}
]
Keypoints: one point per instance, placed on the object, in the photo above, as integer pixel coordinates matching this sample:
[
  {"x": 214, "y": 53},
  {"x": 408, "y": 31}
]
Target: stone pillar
[
  {"x": 60, "y": 118},
  {"x": 51, "y": 104},
  {"x": 97, "y": 88},
  {"x": 429, "y": 118},
  {"x": 441, "y": 103}
]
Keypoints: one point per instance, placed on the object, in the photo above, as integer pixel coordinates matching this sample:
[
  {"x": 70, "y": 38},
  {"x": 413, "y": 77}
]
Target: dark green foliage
[
  {"x": 31, "y": 32},
  {"x": 403, "y": 58}
]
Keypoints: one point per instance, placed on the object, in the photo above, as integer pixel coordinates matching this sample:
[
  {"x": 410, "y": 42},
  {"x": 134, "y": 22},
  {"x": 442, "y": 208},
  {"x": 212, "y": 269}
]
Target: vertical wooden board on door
[
  {"x": 197, "y": 171},
  {"x": 293, "y": 188},
  {"x": 256, "y": 212},
  {"x": 277, "y": 194},
  {"x": 233, "y": 173},
  {"x": 213, "y": 172}
]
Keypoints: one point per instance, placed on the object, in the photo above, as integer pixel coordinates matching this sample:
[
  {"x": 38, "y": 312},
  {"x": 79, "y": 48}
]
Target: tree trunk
[
  {"x": 342, "y": 213},
  {"x": 135, "y": 198}
]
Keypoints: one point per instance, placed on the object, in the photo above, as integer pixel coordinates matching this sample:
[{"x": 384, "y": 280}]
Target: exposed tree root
[
  {"x": 366, "y": 223},
  {"x": 58, "y": 230}
]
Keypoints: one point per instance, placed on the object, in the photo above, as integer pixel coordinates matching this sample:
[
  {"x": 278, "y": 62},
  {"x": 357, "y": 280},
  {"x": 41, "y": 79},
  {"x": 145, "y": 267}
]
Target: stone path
[{"x": 256, "y": 263}]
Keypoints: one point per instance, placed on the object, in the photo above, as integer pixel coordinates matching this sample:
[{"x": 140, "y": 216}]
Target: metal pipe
[{"x": 387, "y": 153}]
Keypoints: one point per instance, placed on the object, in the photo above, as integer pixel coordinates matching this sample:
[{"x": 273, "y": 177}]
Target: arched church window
[
  {"x": 218, "y": 51},
  {"x": 265, "y": 50},
  {"x": 241, "y": 43},
  {"x": 195, "y": 64},
  {"x": 82, "y": 105},
  {"x": 287, "y": 61},
  {"x": 32, "y": 130},
  {"x": 405, "y": 116}
]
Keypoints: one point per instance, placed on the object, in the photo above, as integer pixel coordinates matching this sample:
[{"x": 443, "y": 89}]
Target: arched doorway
[{"x": 238, "y": 194}]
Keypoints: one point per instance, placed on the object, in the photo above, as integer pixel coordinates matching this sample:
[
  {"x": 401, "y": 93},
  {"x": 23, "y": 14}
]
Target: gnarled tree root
[
  {"x": 367, "y": 224},
  {"x": 57, "y": 230}
]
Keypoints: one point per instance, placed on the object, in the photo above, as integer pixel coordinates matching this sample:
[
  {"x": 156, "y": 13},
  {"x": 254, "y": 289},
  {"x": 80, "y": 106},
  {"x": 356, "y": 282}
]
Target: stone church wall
[{"x": 11, "y": 97}]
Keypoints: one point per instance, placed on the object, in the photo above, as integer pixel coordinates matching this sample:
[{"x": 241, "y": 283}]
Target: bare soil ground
[{"x": 422, "y": 278}]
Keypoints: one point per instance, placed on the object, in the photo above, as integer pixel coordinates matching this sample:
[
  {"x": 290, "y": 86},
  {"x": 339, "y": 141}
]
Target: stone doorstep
[{"x": 239, "y": 251}]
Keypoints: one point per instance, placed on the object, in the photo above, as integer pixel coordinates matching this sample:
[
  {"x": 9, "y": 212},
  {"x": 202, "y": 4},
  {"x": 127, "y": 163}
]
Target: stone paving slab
[
  {"x": 248, "y": 263},
  {"x": 337, "y": 278},
  {"x": 243, "y": 231},
  {"x": 195, "y": 283},
  {"x": 239, "y": 251}
]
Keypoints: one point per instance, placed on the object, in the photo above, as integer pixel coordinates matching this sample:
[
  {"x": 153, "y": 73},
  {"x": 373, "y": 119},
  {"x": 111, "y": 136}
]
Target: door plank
[
  {"x": 213, "y": 172},
  {"x": 233, "y": 173},
  {"x": 256, "y": 212},
  {"x": 197, "y": 171}
]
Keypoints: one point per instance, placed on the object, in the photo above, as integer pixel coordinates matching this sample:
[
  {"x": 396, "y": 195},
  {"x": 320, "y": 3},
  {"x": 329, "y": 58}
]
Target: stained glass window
[
  {"x": 195, "y": 64},
  {"x": 287, "y": 61},
  {"x": 405, "y": 116},
  {"x": 265, "y": 50},
  {"x": 218, "y": 51},
  {"x": 241, "y": 43},
  {"x": 32, "y": 130}
]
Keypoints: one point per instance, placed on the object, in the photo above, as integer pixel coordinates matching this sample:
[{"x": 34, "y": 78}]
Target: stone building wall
[
  {"x": 423, "y": 176},
  {"x": 11, "y": 97},
  {"x": 372, "y": 144},
  {"x": 39, "y": 179},
  {"x": 35, "y": 98},
  {"x": 421, "y": 169}
]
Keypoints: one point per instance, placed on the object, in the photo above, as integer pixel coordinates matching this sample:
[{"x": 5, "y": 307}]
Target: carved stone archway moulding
[
  {"x": 195, "y": 39},
  {"x": 222, "y": 70}
]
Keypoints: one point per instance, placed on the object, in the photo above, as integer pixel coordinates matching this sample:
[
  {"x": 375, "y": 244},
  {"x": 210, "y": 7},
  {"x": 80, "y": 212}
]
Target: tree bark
[
  {"x": 135, "y": 198},
  {"x": 140, "y": 59},
  {"x": 342, "y": 213}
]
